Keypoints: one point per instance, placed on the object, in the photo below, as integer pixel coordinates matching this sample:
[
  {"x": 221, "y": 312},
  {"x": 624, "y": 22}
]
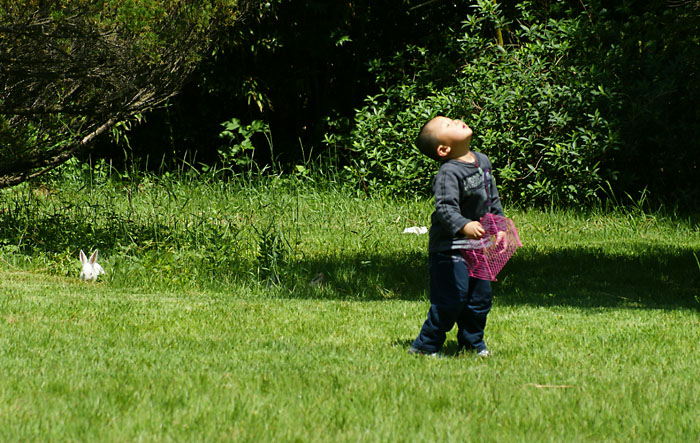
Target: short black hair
[{"x": 427, "y": 142}]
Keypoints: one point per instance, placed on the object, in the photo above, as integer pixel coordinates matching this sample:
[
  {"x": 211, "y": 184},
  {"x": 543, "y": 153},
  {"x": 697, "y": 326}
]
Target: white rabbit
[{"x": 91, "y": 269}]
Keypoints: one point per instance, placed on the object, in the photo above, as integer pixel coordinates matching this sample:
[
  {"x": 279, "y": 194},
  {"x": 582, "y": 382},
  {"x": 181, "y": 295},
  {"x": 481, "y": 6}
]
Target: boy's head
[{"x": 443, "y": 138}]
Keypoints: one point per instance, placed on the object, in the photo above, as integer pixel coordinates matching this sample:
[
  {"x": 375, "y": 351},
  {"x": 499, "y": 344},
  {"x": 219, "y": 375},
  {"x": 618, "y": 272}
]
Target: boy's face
[{"x": 451, "y": 132}]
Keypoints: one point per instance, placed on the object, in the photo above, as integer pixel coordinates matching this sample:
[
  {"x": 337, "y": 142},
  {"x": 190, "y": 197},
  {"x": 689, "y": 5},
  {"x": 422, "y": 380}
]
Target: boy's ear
[{"x": 443, "y": 151}]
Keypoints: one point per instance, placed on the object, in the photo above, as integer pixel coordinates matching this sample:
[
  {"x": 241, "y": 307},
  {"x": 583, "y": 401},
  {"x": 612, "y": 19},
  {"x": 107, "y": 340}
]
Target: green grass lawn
[{"x": 206, "y": 328}]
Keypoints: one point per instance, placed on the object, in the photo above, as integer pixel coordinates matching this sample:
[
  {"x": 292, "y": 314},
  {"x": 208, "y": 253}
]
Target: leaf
[{"x": 342, "y": 40}]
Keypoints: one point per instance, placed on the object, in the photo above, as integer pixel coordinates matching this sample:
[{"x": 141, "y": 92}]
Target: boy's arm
[{"x": 446, "y": 189}]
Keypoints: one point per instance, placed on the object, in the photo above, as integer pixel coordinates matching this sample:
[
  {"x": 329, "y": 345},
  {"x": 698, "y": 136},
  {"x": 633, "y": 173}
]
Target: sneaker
[
  {"x": 484, "y": 353},
  {"x": 416, "y": 351}
]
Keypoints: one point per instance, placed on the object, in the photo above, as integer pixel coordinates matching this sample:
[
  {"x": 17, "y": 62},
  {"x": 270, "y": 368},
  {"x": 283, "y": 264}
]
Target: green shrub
[{"x": 539, "y": 113}]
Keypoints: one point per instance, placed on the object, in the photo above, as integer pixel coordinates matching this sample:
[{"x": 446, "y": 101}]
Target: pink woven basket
[{"x": 486, "y": 257}]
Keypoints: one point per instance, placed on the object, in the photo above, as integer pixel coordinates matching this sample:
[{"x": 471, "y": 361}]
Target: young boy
[{"x": 464, "y": 191}]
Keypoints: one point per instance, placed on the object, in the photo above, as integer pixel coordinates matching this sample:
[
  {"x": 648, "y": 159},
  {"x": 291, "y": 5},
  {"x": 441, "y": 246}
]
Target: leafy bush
[
  {"x": 239, "y": 150},
  {"x": 71, "y": 70},
  {"x": 541, "y": 114}
]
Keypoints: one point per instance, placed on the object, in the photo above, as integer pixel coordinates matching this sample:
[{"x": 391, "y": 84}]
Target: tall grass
[
  {"x": 199, "y": 231},
  {"x": 207, "y": 326}
]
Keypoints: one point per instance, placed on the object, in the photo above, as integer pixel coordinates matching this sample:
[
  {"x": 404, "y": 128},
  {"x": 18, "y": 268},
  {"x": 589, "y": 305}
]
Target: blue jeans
[{"x": 454, "y": 298}]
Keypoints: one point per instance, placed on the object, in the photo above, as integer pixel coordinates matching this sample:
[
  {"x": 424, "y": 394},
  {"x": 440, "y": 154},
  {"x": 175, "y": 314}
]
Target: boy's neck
[
  {"x": 462, "y": 152},
  {"x": 468, "y": 157}
]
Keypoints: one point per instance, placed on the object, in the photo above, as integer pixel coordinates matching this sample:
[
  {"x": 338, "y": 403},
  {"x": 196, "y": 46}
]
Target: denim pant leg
[
  {"x": 472, "y": 319},
  {"x": 449, "y": 286}
]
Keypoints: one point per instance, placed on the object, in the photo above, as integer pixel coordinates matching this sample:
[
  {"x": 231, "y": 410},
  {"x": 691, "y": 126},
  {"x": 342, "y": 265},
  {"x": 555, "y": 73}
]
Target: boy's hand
[
  {"x": 473, "y": 230},
  {"x": 502, "y": 239}
]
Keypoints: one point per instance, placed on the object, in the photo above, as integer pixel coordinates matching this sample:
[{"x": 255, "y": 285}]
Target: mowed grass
[{"x": 594, "y": 328}]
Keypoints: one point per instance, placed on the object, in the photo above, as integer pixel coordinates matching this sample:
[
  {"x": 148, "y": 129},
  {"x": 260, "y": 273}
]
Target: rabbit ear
[
  {"x": 93, "y": 257},
  {"x": 83, "y": 257}
]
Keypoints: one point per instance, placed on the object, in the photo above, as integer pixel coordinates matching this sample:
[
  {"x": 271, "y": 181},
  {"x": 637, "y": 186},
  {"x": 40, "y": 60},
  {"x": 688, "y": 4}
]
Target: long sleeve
[{"x": 447, "y": 201}]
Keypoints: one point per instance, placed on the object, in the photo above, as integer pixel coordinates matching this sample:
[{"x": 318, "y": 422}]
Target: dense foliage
[
  {"x": 540, "y": 113},
  {"x": 558, "y": 106},
  {"x": 71, "y": 70},
  {"x": 568, "y": 97}
]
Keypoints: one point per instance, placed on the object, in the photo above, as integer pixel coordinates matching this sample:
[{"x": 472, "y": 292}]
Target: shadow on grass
[
  {"x": 449, "y": 349},
  {"x": 369, "y": 277},
  {"x": 641, "y": 276}
]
